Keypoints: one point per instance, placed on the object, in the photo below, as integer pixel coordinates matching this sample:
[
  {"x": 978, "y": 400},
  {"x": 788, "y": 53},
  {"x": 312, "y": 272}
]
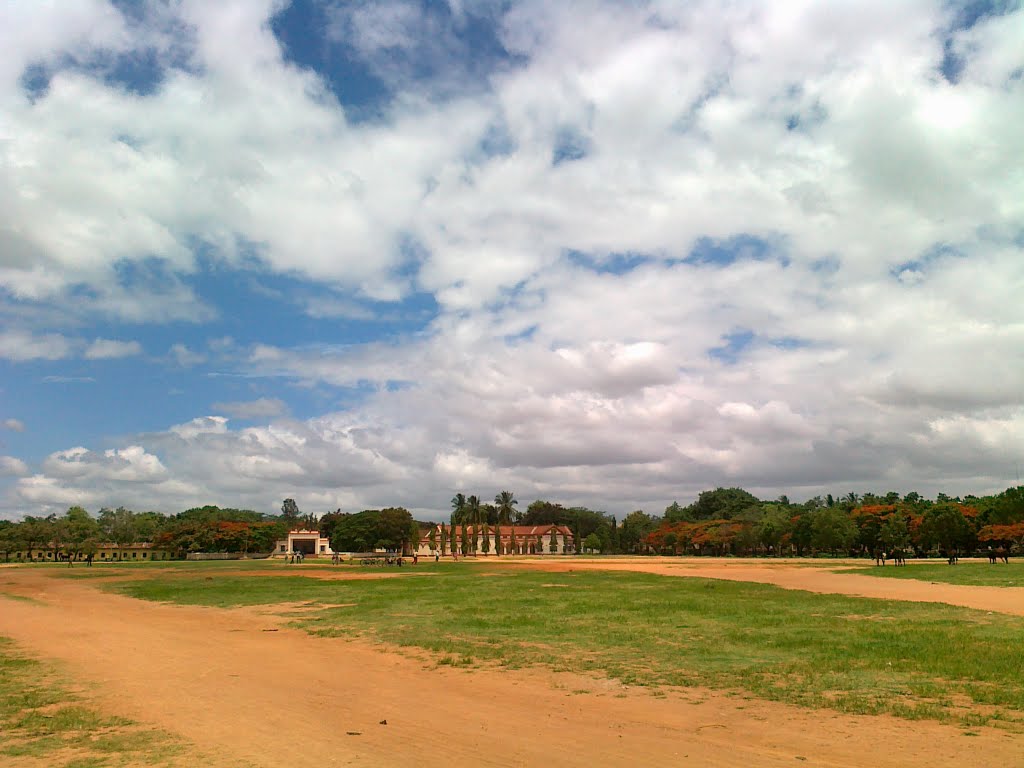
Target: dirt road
[{"x": 242, "y": 687}]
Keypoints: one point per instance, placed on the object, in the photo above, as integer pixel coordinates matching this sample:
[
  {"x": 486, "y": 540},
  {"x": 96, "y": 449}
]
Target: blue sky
[{"x": 373, "y": 253}]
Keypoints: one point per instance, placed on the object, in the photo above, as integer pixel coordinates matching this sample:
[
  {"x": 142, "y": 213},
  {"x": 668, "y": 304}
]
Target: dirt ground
[{"x": 247, "y": 690}]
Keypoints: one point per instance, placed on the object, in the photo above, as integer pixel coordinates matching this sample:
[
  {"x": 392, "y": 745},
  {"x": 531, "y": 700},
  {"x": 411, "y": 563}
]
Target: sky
[{"x": 374, "y": 253}]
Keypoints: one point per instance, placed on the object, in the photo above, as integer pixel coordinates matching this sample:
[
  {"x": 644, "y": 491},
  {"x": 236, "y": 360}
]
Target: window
[
  {"x": 283, "y": 547},
  {"x": 143, "y": 555},
  {"x": 134, "y": 555}
]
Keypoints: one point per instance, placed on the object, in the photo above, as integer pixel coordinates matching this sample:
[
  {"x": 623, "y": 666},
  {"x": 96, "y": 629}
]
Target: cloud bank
[{"x": 671, "y": 246}]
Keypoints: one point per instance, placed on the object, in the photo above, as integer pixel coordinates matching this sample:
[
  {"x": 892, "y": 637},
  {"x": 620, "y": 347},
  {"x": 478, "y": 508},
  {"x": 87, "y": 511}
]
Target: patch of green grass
[
  {"x": 859, "y": 655},
  {"x": 982, "y": 574},
  {"x": 40, "y": 719},
  {"x": 19, "y": 598}
]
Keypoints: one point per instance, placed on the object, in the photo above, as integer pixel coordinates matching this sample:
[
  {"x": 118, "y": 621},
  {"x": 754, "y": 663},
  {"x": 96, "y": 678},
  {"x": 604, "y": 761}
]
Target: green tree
[
  {"x": 553, "y": 541},
  {"x": 1005, "y": 508},
  {"x": 506, "y": 502},
  {"x": 370, "y": 529},
  {"x": 802, "y": 530},
  {"x": 772, "y": 527},
  {"x": 635, "y": 527},
  {"x": 465, "y": 539},
  {"x": 149, "y": 524},
  {"x": 894, "y": 533},
  {"x": 451, "y": 535},
  {"x": 290, "y": 513},
  {"x": 444, "y": 541},
  {"x": 512, "y": 543},
  {"x": 485, "y": 545},
  {"x": 944, "y": 526},
  {"x": 473, "y": 506},
  {"x": 79, "y": 531},
  {"x": 10, "y": 539},
  {"x": 54, "y": 531},
  {"x": 118, "y": 526},
  {"x": 458, "y": 509},
  {"x": 722, "y": 504},
  {"x": 432, "y": 540},
  {"x": 329, "y": 521},
  {"x": 592, "y": 543},
  {"x": 411, "y": 543},
  {"x": 670, "y": 541},
  {"x": 832, "y": 530},
  {"x": 674, "y": 513}
]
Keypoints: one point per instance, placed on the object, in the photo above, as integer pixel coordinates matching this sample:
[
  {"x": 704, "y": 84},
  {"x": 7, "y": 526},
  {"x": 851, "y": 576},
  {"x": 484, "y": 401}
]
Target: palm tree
[
  {"x": 473, "y": 503},
  {"x": 458, "y": 508},
  {"x": 505, "y": 501}
]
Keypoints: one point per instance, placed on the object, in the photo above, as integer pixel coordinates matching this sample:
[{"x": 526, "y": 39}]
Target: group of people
[
  {"x": 897, "y": 556},
  {"x": 995, "y": 555},
  {"x": 294, "y": 557}
]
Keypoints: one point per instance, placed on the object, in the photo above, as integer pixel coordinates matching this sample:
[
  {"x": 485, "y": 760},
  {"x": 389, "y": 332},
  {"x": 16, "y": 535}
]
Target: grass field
[
  {"x": 40, "y": 720},
  {"x": 981, "y": 574},
  {"x": 856, "y": 655}
]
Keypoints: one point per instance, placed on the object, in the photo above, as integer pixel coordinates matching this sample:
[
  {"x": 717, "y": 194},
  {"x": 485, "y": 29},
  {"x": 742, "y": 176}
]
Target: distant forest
[{"x": 724, "y": 521}]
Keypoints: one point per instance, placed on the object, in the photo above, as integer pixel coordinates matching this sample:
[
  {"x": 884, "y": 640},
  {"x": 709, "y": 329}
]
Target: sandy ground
[
  {"x": 803, "y": 576},
  {"x": 243, "y": 688}
]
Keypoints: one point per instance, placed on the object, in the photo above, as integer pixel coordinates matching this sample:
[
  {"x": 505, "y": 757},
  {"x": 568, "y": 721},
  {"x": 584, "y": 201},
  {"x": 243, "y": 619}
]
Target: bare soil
[{"x": 245, "y": 689}]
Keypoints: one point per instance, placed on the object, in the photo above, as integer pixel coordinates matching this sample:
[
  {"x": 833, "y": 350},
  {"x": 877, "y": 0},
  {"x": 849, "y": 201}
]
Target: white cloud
[
  {"x": 264, "y": 407},
  {"x": 131, "y": 464},
  {"x": 108, "y": 349},
  {"x": 68, "y": 380},
  {"x": 22, "y": 345},
  {"x": 204, "y": 425},
  {"x": 184, "y": 356},
  {"x": 868, "y": 333},
  {"x": 15, "y": 425},
  {"x": 12, "y": 466}
]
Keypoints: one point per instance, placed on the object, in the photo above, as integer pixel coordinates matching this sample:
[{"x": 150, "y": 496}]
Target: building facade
[
  {"x": 308, "y": 543},
  {"x": 108, "y": 552},
  {"x": 500, "y": 540}
]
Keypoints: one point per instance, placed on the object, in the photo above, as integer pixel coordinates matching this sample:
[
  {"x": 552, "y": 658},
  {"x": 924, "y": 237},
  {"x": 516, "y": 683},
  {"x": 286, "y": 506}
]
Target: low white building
[{"x": 309, "y": 543}]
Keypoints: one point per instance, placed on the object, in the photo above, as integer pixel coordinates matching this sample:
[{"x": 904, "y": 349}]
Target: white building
[{"x": 309, "y": 543}]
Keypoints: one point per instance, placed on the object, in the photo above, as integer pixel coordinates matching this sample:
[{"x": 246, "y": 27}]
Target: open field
[
  {"x": 602, "y": 667},
  {"x": 972, "y": 573}
]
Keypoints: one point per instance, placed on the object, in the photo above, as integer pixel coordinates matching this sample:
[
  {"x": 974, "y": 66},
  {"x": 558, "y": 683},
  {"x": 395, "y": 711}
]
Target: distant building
[
  {"x": 504, "y": 540},
  {"x": 309, "y": 543},
  {"x": 108, "y": 552}
]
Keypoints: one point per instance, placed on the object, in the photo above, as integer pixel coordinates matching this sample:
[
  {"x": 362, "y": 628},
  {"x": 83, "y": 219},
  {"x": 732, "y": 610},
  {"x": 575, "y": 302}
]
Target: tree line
[
  {"x": 733, "y": 521},
  {"x": 77, "y": 534},
  {"x": 719, "y": 522}
]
